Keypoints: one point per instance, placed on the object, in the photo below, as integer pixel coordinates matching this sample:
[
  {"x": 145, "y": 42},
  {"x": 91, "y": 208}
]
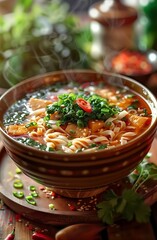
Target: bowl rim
[{"x": 71, "y": 155}]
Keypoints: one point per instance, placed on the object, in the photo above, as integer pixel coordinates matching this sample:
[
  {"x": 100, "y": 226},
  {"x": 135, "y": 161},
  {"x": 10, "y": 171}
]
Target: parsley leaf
[
  {"x": 142, "y": 213},
  {"x": 105, "y": 212},
  {"x": 133, "y": 200},
  {"x": 127, "y": 206},
  {"x": 143, "y": 172}
]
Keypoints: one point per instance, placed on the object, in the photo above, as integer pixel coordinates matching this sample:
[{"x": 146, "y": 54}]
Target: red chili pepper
[
  {"x": 18, "y": 217},
  {"x": 82, "y": 103},
  {"x": 53, "y": 194},
  {"x": 41, "y": 236},
  {"x": 131, "y": 63},
  {"x": 11, "y": 235},
  {"x": 72, "y": 208},
  {"x": 148, "y": 122},
  {"x": 54, "y": 98}
]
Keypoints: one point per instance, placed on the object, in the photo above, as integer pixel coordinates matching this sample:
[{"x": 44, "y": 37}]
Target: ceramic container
[
  {"x": 142, "y": 77},
  {"x": 81, "y": 174}
]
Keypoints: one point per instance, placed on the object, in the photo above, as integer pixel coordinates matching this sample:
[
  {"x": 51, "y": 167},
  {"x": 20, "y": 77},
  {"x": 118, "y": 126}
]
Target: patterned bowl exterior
[{"x": 81, "y": 174}]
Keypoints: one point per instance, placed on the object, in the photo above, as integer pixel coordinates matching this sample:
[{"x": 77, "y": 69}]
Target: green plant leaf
[
  {"x": 110, "y": 194},
  {"x": 25, "y": 4},
  {"x": 142, "y": 213},
  {"x": 127, "y": 206},
  {"x": 105, "y": 212}
]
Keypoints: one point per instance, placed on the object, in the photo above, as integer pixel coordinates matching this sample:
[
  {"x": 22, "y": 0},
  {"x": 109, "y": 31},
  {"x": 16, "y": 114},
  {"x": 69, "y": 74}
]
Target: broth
[{"x": 74, "y": 118}]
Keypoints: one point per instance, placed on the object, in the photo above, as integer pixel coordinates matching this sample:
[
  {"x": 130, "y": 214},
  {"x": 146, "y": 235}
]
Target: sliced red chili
[
  {"x": 54, "y": 98},
  {"x": 82, "y": 103}
]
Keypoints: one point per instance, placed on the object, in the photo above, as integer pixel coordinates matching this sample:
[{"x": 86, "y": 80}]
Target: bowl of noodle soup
[{"x": 78, "y": 131}]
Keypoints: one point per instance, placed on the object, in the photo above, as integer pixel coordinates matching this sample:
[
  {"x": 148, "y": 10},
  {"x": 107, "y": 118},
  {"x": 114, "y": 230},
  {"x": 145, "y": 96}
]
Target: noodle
[{"x": 59, "y": 128}]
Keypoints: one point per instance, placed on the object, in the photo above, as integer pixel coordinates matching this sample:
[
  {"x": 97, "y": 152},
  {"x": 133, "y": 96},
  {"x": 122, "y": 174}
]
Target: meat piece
[
  {"x": 16, "y": 130},
  {"x": 36, "y": 103}
]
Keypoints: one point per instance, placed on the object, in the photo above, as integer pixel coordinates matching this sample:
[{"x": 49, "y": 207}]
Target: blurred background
[{"x": 46, "y": 35}]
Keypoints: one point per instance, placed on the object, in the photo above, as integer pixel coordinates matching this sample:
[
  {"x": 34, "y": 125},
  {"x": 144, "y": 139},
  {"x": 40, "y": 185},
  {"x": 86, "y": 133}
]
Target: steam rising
[
  {"x": 55, "y": 51},
  {"x": 49, "y": 44}
]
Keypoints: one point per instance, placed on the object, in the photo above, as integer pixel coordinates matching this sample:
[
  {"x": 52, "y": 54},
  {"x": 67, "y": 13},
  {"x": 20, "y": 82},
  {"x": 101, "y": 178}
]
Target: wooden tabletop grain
[{"x": 24, "y": 228}]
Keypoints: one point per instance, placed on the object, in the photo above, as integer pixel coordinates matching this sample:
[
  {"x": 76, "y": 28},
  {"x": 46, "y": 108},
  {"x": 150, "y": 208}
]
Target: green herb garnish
[
  {"x": 18, "y": 194},
  {"x": 51, "y": 206},
  {"x": 69, "y": 110},
  {"x": 30, "y": 200},
  {"x": 130, "y": 96},
  {"x": 18, "y": 170},
  {"x": 32, "y": 143},
  {"x": 102, "y": 146},
  {"x": 18, "y": 183},
  {"x": 34, "y": 194},
  {"x": 133, "y": 106},
  {"x": 32, "y": 188},
  {"x": 129, "y": 205},
  {"x": 144, "y": 172},
  {"x": 31, "y": 124},
  {"x": 145, "y": 112}
]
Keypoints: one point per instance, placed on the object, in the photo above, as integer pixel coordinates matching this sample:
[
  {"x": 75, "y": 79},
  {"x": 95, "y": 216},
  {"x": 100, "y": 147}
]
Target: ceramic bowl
[
  {"x": 141, "y": 76},
  {"x": 81, "y": 174}
]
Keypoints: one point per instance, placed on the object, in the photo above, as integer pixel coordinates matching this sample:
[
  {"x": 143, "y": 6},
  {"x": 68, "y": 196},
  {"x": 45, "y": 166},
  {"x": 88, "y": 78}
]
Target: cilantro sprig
[
  {"x": 144, "y": 172},
  {"x": 129, "y": 204},
  {"x": 70, "y": 111}
]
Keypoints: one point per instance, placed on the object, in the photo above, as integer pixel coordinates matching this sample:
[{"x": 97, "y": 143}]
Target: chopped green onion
[
  {"x": 18, "y": 194},
  {"x": 34, "y": 194},
  {"x": 31, "y": 124},
  {"x": 69, "y": 110},
  {"x": 103, "y": 146},
  {"x": 51, "y": 206},
  {"x": 18, "y": 183},
  {"x": 18, "y": 170},
  {"x": 32, "y": 188},
  {"x": 30, "y": 200}
]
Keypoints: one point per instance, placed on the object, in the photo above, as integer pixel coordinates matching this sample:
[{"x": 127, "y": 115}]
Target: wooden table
[{"x": 24, "y": 228}]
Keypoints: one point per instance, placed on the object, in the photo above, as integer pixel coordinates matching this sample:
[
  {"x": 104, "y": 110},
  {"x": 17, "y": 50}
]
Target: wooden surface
[
  {"x": 63, "y": 214},
  {"x": 25, "y": 228}
]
